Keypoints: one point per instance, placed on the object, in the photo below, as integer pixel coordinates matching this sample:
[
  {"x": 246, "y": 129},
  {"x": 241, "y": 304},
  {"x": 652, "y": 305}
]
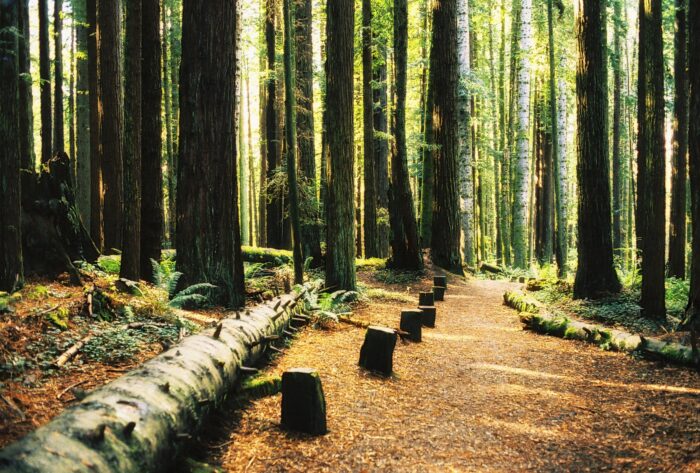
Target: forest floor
[{"x": 478, "y": 394}]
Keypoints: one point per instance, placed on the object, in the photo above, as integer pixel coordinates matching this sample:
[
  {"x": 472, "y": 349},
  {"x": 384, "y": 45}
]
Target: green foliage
[
  {"x": 37, "y": 293},
  {"x": 261, "y": 386},
  {"x": 677, "y": 291},
  {"x": 325, "y": 307},
  {"x": 59, "y": 317},
  {"x": 110, "y": 264},
  {"x": 370, "y": 264},
  {"x": 192, "y": 297},
  {"x": 389, "y": 296},
  {"x": 113, "y": 346}
]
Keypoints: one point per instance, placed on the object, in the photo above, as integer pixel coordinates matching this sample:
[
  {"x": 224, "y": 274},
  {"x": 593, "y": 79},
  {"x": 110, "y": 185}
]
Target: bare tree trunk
[
  {"x": 521, "y": 171},
  {"x": 677, "y": 230},
  {"x": 596, "y": 275},
  {"x": 26, "y": 113},
  {"x": 466, "y": 184},
  {"x": 96, "y": 190},
  {"x": 45, "y": 82},
  {"x": 651, "y": 225},
  {"x": 11, "y": 267},
  {"x": 340, "y": 206},
  {"x": 58, "y": 134},
  {"x": 209, "y": 245}
]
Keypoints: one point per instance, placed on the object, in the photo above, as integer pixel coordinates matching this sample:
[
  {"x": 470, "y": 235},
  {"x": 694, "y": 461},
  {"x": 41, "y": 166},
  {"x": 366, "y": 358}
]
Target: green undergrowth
[{"x": 257, "y": 387}]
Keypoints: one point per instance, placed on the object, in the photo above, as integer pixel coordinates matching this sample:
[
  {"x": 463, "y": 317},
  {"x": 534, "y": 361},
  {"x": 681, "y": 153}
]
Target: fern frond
[
  {"x": 171, "y": 283},
  {"x": 189, "y": 301},
  {"x": 200, "y": 288},
  {"x": 157, "y": 273}
]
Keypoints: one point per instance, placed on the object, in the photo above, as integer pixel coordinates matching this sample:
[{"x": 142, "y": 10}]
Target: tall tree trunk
[
  {"x": 11, "y": 267},
  {"x": 58, "y": 134},
  {"x": 26, "y": 113},
  {"x": 262, "y": 94},
  {"x": 677, "y": 230},
  {"x": 253, "y": 229},
  {"x": 340, "y": 206},
  {"x": 45, "y": 81},
  {"x": 651, "y": 225},
  {"x": 428, "y": 175},
  {"x": 152, "y": 219},
  {"x": 504, "y": 201},
  {"x": 96, "y": 189},
  {"x": 109, "y": 17},
  {"x": 131, "y": 255},
  {"x": 370, "y": 196},
  {"x": 406, "y": 252},
  {"x": 209, "y": 245},
  {"x": 381, "y": 149},
  {"x": 82, "y": 112},
  {"x": 291, "y": 134},
  {"x": 169, "y": 151},
  {"x": 466, "y": 184},
  {"x": 444, "y": 77},
  {"x": 305, "y": 126},
  {"x": 693, "y": 309},
  {"x": 596, "y": 275},
  {"x": 616, "y": 128},
  {"x": 521, "y": 171},
  {"x": 562, "y": 176},
  {"x": 561, "y": 247},
  {"x": 275, "y": 209}
]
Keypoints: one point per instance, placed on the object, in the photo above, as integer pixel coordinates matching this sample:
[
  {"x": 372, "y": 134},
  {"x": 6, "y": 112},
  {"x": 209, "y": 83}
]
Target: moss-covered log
[
  {"x": 140, "y": 421},
  {"x": 519, "y": 301},
  {"x": 563, "y": 327},
  {"x": 667, "y": 351}
]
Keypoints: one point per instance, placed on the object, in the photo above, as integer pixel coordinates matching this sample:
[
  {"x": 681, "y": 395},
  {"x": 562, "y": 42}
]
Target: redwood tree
[
  {"x": 111, "y": 128},
  {"x": 340, "y": 206},
  {"x": 596, "y": 275},
  {"x": 45, "y": 81},
  {"x": 677, "y": 231},
  {"x": 405, "y": 247},
  {"x": 651, "y": 163},
  {"x": 370, "y": 196},
  {"x": 11, "y": 267},
  {"x": 694, "y": 155},
  {"x": 131, "y": 254},
  {"x": 208, "y": 234},
  {"x": 58, "y": 133},
  {"x": 445, "y": 240},
  {"x": 96, "y": 195},
  {"x": 26, "y": 115},
  {"x": 152, "y": 219}
]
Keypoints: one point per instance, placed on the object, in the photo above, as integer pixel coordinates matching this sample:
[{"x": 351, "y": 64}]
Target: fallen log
[
  {"x": 141, "y": 421},
  {"x": 491, "y": 268},
  {"x": 667, "y": 351},
  {"x": 519, "y": 301}
]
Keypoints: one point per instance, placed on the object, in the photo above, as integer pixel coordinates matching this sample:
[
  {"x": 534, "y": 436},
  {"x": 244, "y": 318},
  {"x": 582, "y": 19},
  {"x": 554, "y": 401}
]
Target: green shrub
[{"x": 110, "y": 264}]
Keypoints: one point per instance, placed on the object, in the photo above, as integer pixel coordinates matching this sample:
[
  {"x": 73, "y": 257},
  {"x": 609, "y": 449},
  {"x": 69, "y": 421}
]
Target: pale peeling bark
[
  {"x": 466, "y": 185},
  {"x": 562, "y": 176},
  {"x": 140, "y": 421},
  {"x": 522, "y": 166}
]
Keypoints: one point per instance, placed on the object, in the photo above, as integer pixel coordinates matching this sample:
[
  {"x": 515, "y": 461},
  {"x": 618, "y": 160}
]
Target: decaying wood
[
  {"x": 489, "y": 268},
  {"x": 303, "y": 402},
  {"x": 199, "y": 372},
  {"x": 377, "y": 352}
]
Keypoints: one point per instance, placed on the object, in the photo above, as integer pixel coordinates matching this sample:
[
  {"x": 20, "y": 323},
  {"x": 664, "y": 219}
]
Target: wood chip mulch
[{"x": 478, "y": 394}]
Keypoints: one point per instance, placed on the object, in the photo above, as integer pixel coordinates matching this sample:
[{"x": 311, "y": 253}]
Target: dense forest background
[{"x": 523, "y": 135}]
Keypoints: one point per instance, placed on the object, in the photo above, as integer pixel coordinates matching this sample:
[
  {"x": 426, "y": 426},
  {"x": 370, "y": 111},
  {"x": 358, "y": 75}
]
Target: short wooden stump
[
  {"x": 377, "y": 352},
  {"x": 426, "y": 299},
  {"x": 303, "y": 403},
  {"x": 412, "y": 324},
  {"x": 439, "y": 293},
  {"x": 429, "y": 313},
  {"x": 440, "y": 281}
]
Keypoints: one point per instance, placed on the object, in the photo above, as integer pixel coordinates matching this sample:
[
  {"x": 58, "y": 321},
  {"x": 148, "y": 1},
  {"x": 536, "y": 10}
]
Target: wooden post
[
  {"x": 429, "y": 313},
  {"x": 377, "y": 353},
  {"x": 439, "y": 293},
  {"x": 412, "y": 323},
  {"x": 426, "y": 299},
  {"x": 303, "y": 403},
  {"x": 440, "y": 281}
]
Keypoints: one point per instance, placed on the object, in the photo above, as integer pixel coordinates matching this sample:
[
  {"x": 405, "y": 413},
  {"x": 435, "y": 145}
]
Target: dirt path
[{"x": 479, "y": 394}]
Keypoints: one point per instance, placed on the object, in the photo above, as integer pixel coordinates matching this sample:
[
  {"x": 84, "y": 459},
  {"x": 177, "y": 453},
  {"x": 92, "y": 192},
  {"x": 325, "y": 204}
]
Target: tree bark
[
  {"x": 693, "y": 310},
  {"x": 651, "y": 164},
  {"x": 596, "y": 275},
  {"x": 521, "y": 169},
  {"x": 444, "y": 76},
  {"x": 111, "y": 129},
  {"x": 208, "y": 233},
  {"x": 305, "y": 127},
  {"x": 131, "y": 239},
  {"x": 290, "y": 127},
  {"x": 58, "y": 133},
  {"x": 466, "y": 181},
  {"x": 96, "y": 189},
  {"x": 11, "y": 264},
  {"x": 26, "y": 113},
  {"x": 45, "y": 81},
  {"x": 370, "y": 179},
  {"x": 152, "y": 219},
  {"x": 679, "y": 175},
  {"x": 405, "y": 246},
  {"x": 381, "y": 149},
  {"x": 340, "y": 205}
]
